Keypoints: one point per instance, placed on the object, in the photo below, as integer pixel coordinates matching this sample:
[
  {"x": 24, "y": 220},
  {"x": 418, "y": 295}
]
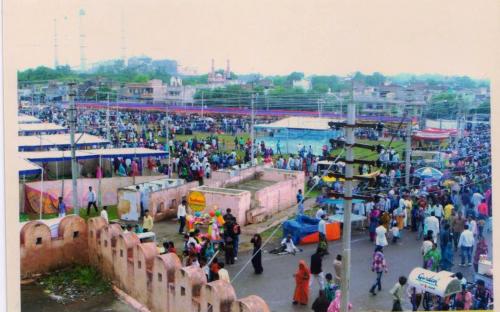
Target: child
[
  {"x": 214, "y": 270},
  {"x": 396, "y": 233},
  {"x": 171, "y": 247},
  {"x": 330, "y": 287}
]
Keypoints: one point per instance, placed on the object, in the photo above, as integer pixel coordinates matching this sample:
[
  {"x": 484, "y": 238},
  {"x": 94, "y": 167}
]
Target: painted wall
[
  {"x": 161, "y": 204},
  {"x": 156, "y": 281},
  {"x": 41, "y": 253},
  {"x": 239, "y": 203},
  {"x": 53, "y": 189}
]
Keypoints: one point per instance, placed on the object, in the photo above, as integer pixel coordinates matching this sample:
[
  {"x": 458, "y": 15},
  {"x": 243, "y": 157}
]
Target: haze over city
[{"x": 267, "y": 37}]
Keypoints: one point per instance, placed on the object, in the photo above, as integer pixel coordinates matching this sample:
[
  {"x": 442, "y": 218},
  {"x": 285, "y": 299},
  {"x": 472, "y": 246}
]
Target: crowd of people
[{"x": 451, "y": 215}]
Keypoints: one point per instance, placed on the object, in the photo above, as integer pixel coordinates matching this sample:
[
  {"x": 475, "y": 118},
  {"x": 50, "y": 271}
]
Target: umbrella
[
  {"x": 428, "y": 173},
  {"x": 448, "y": 183},
  {"x": 328, "y": 179}
]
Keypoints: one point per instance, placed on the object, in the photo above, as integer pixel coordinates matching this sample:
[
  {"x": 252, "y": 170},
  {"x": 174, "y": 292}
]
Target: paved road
[{"x": 276, "y": 285}]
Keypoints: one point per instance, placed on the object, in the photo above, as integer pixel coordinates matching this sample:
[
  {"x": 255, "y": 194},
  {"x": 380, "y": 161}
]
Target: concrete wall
[
  {"x": 156, "y": 281},
  {"x": 41, "y": 253},
  {"x": 224, "y": 178},
  {"x": 239, "y": 203},
  {"x": 276, "y": 197},
  {"x": 268, "y": 200},
  {"x": 164, "y": 204}
]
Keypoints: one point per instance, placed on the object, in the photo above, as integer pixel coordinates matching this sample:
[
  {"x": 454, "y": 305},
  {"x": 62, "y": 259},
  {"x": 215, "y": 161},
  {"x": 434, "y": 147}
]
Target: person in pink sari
[
  {"x": 98, "y": 173},
  {"x": 336, "y": 304},
  {"x": 135, "y": 169}
]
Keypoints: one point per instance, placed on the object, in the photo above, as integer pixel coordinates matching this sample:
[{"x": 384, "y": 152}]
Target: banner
[
  {"x": 196, "y": 201},
  {"x": 32, "y": 202}
]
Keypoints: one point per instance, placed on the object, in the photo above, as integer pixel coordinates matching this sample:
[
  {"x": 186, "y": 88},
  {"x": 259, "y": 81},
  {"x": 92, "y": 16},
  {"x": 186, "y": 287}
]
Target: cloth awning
[
  {"x": 35, "y": 128},
  {"x": 441, "y": 283},
  {"x": 50, "y": 156},
  {"x": 27, "y": 119},
  {"x": 27, "y": 143},
  {"x": 430, "y": 136},
  {"x": 28, "y": 168}
]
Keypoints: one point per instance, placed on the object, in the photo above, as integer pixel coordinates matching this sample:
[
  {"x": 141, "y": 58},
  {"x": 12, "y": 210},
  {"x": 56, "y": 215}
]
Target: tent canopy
[
  {"x": 34, "y": 128},
  {"x": 27, "y": 119},
  {"x": 28, "y": 168},
  {"x": 26, "y": 143},
  {"x": 442, "y": 283},
  {"x": 430, "y": 136},
  {"x": 428, "y": 173},
  {"x": 50, "y": 156}
]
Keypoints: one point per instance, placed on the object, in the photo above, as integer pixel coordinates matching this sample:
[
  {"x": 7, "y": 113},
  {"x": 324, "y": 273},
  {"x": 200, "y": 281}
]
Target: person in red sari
[{"x": 302, "y": 276}]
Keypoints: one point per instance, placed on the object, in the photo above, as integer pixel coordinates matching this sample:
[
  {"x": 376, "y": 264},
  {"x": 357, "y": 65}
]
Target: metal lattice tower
[
  {"x": 123, "y": 41},
  {"x": 83, "y": 60},
  {"x": 56, "y": 54}
]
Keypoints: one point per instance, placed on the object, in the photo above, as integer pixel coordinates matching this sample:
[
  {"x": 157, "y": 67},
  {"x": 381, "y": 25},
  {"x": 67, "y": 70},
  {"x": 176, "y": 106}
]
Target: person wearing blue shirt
[
  {"x": 62, "y": 208},
  {"x": 300, "y": 197}
]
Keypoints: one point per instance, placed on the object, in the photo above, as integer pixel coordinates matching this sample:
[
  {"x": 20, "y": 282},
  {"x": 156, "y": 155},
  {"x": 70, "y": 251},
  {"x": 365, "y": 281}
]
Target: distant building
[
  {"x": 177, "y": 94},
  {"x": 389, "y": 100},
  {"x": 218, "y": 79},
  {"x": 153, "y": 90}
]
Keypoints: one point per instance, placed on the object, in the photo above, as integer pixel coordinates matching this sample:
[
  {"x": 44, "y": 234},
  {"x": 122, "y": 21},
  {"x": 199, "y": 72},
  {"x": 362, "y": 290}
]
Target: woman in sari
[
  {"x": 335, "y": 305},
  {"x": 374, "y": 221},
  {"x": 432, "y": 259},
  {"x": 257, "y": 254},
  {"x": 481, "y": 249},
  {"x": 302, "y": 276}
]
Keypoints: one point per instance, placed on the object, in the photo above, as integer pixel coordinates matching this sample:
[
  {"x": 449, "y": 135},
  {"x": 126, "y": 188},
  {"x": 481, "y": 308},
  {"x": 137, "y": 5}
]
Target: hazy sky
[{"x": 271, "y": 37}]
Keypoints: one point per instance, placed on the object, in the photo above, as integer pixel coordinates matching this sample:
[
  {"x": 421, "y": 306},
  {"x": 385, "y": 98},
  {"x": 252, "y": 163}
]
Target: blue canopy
[{"x": 428, "y": 173}]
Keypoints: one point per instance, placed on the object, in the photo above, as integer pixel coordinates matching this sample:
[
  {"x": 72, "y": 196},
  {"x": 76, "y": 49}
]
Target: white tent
[
  {"x": 50, "y": 156},
  {"x": 27, "y": 119},
  {"x": 40, "y": 128},
  {"x": 45, "y": 142}
]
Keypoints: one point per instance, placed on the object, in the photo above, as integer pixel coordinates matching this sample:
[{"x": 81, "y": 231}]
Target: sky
[{"x": 270, "y": 37}]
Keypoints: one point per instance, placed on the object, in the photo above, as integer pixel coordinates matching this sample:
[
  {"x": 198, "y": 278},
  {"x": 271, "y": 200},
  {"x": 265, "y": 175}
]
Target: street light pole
[
  {"x": 202, "y": 104},
  {"x": 346, "y": 233},
  {"x": 252, "y": 132},
  {"x": 108, "y": 134},
  {"x": 408, "y": 154},
  {"x": 74, "y": 168},
  {"x": 167, "y": 142}
]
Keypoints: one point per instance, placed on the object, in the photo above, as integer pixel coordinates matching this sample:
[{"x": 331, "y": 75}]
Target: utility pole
[
  {"x": 319, "y": 109},
  {"x": 251, "y": 132},
  {"x": 108, "y": 134},
  {"x": 346, "y": 233},
  {"x": 408, "y": 153},
  {"x": 74, "y": 167},
  {"x": 202, "y": 104},
  {"x": 167, "y": 143}
]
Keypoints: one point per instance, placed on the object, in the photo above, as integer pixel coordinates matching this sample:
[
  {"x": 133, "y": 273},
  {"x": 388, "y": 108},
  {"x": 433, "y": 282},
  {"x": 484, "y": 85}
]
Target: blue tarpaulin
[{"x": 300, "y": 227}]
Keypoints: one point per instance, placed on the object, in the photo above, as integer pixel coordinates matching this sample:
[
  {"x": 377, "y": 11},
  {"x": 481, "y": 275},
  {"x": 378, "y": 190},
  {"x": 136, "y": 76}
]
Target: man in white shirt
[
  {"x": 466, "y": 242},
  {"x": 432, "y": 224},
  {"x": 381, "y": 239},
  {"x": 288, "y": 245},
  {"x": 104, "y": 213},
  {"x": 181, "y": 216},
  {"x": 320, "y": 213},
  {"x": 322, "y": 228},
  {"x": 91, "y": 200}
]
